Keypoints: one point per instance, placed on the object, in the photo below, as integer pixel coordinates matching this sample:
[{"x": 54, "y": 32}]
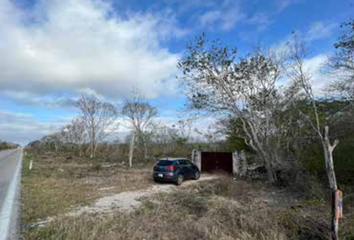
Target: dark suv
[{"x": 175, "y": 170}]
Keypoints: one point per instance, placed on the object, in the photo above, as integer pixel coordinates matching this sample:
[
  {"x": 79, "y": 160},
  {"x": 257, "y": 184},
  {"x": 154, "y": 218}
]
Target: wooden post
[
  {"x": 196, "y": 158},
  {"x": 239, "y": 163},
  {"x": 334, "y": 225},
  {"x": 337, "y": 212},
  {"x": 30, "y": 165},
  {"x": 131, "y": 150}
]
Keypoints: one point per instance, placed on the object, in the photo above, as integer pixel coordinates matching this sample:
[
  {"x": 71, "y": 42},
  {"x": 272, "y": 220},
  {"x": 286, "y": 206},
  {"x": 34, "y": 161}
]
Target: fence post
[
  {"x": 239, "y": 164},
  {"x": 197, "y": 158}
]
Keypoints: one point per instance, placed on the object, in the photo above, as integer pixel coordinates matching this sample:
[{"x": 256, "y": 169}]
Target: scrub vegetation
[
  {"x": 303, "y": 141},
  {"x": 226, "y": 208}
]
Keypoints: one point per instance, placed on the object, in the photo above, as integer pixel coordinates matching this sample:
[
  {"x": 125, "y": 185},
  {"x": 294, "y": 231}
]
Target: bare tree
[
  {"x": 211, "y": 136},
  {"x": 56, "y": 139},
  {"x": 140, "y": 115},
  {"x": 245, "y": 89},
  {"x": 99, "y": 119},
  {"x": 180, "y": 132},
  {"x": 76, "y": 134},
  {"x": 342, "y": 62},
  {"x": 302, "y": 78},
  {"x": 184, "y": 128},
  {"x": 164, "y": 138}
]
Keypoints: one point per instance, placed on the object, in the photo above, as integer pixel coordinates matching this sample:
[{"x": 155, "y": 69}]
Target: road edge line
[{"x": 7, "y": 207}]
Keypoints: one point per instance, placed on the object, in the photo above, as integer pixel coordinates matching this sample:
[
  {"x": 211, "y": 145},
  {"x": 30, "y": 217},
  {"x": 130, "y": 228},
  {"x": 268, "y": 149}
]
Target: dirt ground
[
  {"x": 74, "y": 199},
  {"x": 126, "y": 202},
  {"x": 60, "y": 185}
]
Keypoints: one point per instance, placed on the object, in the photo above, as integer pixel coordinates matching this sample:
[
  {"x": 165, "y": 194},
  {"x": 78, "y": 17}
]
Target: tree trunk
[
  {"x": 131, "y": 150},
  {"x": 91, "y": 150},
  {"x": 328, "y": 153},
  {"x": 272, "y": 177},
  {"x": 92, "y": 140},
  {"x": 258, "y": 147},
  {"x": 267, "y": 159},
  {"x": 145, "y": 148},
  {"x": 142, "y": 137},
  {"x": 333, "y": 187},
  {"x": 80, "y": 151},
  {"x": 329, "y": 166},
  {"x": 95, "y": 148}
]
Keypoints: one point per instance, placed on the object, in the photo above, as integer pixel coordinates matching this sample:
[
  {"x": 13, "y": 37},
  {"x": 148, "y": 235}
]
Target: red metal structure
[{"x": 216, "y": 161}]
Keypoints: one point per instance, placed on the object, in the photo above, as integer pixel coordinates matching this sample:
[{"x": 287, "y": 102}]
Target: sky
[{"x": 52, "y": 51}]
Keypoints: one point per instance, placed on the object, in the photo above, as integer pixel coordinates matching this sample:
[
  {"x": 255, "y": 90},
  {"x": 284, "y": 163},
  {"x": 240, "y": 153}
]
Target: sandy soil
[{"x": 129, "y": 201}]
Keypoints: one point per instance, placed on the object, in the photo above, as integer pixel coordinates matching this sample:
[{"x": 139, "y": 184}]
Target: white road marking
[{"x": 7, "y": 207}]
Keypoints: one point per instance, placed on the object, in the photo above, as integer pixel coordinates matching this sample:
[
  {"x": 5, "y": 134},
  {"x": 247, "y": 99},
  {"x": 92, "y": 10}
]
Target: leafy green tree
[{"x": 217, "y": 81}]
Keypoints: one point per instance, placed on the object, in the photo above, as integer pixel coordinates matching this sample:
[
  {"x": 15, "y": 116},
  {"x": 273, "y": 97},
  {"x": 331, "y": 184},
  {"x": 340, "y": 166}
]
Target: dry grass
[
  {"x": 57, "y": 184},
  {"x": 224, "y": 209},
  {"x": 190, "y": 213}
]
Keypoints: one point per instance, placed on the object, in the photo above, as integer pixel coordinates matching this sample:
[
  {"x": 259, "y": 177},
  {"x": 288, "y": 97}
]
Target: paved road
[{"x": 10, "y": 173}]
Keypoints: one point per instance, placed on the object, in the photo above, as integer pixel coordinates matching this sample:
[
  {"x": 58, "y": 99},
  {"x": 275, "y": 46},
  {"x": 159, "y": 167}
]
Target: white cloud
[
  {"x": 23, "y": 128},
  {"x": 316, "y": 31},
  {"x": 67, "y": 46},
  {"x": 210, "y": 17},
  {"x": 320, "y": 30},
  {"x": 223, "y": 17},
  {"x": 260, "y": 20},
  {"x": 314, "y": 66},
  {"x": 283, "y": 4},
  {"x": 44, "y": 101}
]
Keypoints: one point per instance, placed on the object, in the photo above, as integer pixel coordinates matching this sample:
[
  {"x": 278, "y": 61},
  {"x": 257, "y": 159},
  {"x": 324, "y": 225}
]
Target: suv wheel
[
  {"x": 179, "y": 179},
  {"x": 196, "y": 175}
]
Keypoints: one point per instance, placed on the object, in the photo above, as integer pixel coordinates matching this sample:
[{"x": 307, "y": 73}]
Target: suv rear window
[{"x": 164, "y": 163}]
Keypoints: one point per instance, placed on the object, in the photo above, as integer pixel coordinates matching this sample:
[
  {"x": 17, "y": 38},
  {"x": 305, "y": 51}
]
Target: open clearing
[
  {"x": 130, "y": 200},
  {"x": 88, "y": 201}
]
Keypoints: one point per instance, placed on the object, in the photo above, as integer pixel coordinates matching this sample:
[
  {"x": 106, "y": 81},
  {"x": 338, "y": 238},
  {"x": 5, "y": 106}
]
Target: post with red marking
[{"x": 337, "y": 211}]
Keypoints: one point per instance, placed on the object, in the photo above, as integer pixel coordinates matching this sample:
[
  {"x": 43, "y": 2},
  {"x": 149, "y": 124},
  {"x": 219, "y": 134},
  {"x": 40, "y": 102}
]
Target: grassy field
[
  {"x": 224, "y": 209},
  {"x": 58, "y": 184}
]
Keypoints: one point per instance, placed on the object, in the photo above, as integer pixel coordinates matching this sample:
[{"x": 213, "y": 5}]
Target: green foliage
[
  {"x": 346, "y": 41},
  {"x": 233, "y": 140},
  {"x": 7, "y": 145},
  {"x": 337, "y": 114}
]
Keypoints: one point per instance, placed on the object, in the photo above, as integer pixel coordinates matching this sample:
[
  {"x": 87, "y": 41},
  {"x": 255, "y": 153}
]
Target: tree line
[
  {"x": 4, "y": 145},
  {"x": 97, "y": 131}
]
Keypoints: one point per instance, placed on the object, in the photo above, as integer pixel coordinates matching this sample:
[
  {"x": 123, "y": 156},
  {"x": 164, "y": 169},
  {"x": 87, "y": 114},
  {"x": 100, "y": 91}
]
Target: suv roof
[{"x": 172, "y": 159}]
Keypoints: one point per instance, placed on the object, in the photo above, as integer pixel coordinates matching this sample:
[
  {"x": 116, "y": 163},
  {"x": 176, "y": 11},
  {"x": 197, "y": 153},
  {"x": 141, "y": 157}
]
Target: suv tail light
[
  {"x": 155, "y": 168},
  {"x": 171, "y": 168}
]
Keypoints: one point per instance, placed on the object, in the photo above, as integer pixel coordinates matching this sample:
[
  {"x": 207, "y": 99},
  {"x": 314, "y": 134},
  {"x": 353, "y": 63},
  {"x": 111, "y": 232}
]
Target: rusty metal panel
[{"x": 217, "y": 162}]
